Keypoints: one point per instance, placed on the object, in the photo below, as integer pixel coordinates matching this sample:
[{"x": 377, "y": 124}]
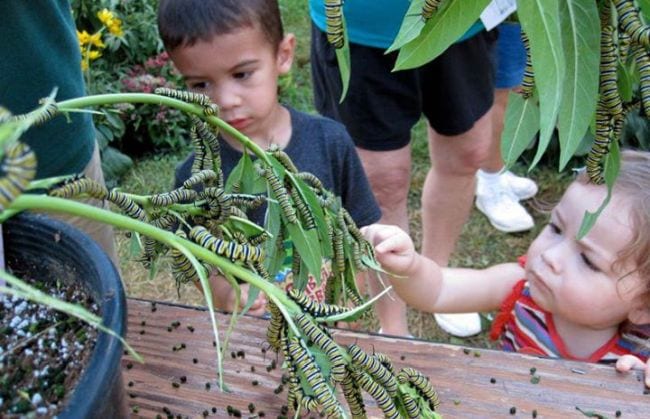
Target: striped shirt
[{"x": 522, "y": 326}]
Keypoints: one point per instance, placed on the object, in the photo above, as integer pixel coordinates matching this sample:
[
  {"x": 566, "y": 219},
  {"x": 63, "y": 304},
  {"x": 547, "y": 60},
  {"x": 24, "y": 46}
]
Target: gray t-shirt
[{"x": 322, "y": 147}]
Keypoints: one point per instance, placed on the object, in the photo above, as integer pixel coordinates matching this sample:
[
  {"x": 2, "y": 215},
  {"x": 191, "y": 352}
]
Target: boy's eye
[
  {"x": 198, "y": 86},
  {"x": 242, "y": 75},
  {"x": 589, "y": 263}
]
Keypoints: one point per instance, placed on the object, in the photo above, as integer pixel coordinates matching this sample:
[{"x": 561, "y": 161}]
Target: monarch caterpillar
[
  {"x": 608, "y": 87},
  {"x": 261, "y": 270},
  {"x": 601, "y": 145},
  {"x": 259, "y": 239},
  {"x": 237, "y": 212},
  {"x": 429, "y": 8},
  {"x": 313, "y": 307},
  {"x": 184, "y": 95},
  {"x": 283, "y": 158},
  {"x": 353, "y": 296},
  {"x": 624, "y": 42},
  {"x": 528, "y": 82},
  {"x": 78, "y": 186},
  {"x": 218, "y": 203},
  {"x": 126, "y": 204},
  {"x": 295, "y": 266},
  {"x": 202, "y": 176},
  {"x": 276, "y": 327},
  {"x": 643, "y": 63},
  {"x": 304, "y": 361},
  {"x": 229, "y": 249},
  {"x": 421, "y": 383},
  {"x": 200, "y": 157},
  {"x": 211, "y": 109},
  {"x": 353, "y": 397},
  {"x": 352, "y": 227},
  {"x": 374, "y": 368},
  {"x": 631, "y": 23},
  {"x": 309, "y": 403},
  {"x": 303, "y": 210},
  {"x": 173, "y": 197},
  {"x": 163, "y": 222},
  {"x": 326, "y": 198},
  {"x": 339, "y": 254},
  {"x": 384, "y": 360},
  {"x": 334, "y": 22},
  {"x": 247, "y": 201},
  {"x": 295, "y": 393},
  {"x": 311, "y": 180},
  {"x": 378, "y": 393},
  {"x": 40, "y": 115},
  {"x": 282, "y": 196},
  {"x": 412, "y": 408},
  {"x": 182, "y": 269},
  {"x": 19, "y": 166},
  {"x": 324, "y": 342},
  {"x": 205, "y": 132}
]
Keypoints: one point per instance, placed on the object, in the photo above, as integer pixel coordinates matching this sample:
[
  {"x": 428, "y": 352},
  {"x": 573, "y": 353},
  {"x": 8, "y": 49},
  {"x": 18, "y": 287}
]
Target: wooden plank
[{"x": 462, "y": 376}]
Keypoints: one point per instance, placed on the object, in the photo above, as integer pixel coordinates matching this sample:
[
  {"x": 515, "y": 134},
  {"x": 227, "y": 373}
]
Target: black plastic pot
[{"x": 53, "y": 249}]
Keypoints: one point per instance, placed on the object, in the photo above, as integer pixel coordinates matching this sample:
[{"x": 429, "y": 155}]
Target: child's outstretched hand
[
  {"x": 631, "y": 362},
  {"x": 394, "y": 248}
]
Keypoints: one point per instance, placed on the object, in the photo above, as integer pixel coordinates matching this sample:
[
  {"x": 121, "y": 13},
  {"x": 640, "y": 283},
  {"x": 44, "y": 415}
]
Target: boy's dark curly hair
[{"x": 185, "y": 22}]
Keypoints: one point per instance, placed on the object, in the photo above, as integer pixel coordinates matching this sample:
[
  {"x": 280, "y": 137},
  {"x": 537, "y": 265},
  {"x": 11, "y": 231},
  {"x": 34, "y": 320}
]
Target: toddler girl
[{"x": 586, "y": 299}]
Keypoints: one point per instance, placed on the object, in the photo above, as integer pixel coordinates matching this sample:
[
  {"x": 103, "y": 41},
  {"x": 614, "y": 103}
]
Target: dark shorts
[{"x": 453, "y": 91}]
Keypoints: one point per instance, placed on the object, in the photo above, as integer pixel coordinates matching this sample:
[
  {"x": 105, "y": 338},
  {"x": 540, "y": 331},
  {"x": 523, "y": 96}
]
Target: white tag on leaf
[{"x": 496, "y": 12}]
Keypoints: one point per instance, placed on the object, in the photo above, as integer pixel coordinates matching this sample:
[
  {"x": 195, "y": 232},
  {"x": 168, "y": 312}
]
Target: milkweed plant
[{"x": 203, "y": 226}]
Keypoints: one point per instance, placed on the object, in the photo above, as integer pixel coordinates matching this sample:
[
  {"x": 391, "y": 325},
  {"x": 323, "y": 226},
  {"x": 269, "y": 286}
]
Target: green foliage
[
  {"x": 451, "y": 21},
  {"x": 132, "y": 61}
]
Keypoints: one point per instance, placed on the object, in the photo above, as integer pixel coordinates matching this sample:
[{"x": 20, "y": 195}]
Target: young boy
[{"x": 234, "y": 51}]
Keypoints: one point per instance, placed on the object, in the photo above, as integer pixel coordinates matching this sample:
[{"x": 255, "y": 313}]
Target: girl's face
[{"x": 575, "y": 279}]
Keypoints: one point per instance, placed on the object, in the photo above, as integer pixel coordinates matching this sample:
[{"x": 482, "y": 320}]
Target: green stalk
[
  {"x": 154, "y": 99},
  {"x": 53, "y": 204}
]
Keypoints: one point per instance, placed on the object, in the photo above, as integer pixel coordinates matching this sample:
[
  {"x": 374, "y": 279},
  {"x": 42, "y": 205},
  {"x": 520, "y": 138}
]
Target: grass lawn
[{"x": 480, "y": 244}]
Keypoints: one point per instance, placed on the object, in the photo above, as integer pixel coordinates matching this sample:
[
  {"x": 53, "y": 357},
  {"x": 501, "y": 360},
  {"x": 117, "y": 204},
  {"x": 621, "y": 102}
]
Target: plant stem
[
  {"x": 53, "y": 204},
  {"x": 154, "y": 99}
]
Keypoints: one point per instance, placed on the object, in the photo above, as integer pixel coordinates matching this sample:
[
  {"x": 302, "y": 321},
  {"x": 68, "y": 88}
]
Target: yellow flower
[
  {"x": 115, "y": 27},
  {"x": 96, "y": 40},
  {"x": 105, "y": 16},
  {"x": 84, "y": 37},
  {"x": 94, "y": 54}
]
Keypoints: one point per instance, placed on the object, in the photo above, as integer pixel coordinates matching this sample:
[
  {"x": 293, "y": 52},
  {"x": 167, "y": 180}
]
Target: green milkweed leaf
[
  {"x": 540, "y": 20},
  {"x": 411, "y": 26},
  {"x": 611, "y": 170},
  {"x": 581, "y": 45},
  {"x": 521, "y": 125},
  {"x": 443, "y": 29}
]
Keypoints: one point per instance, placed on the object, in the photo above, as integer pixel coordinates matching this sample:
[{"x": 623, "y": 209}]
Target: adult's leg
[
  {"x": 389, "y": 173},
  {"x": 448, "y": 190},
  {"x": 458, "y": 94},
  {"x": 379, "y": 111}
]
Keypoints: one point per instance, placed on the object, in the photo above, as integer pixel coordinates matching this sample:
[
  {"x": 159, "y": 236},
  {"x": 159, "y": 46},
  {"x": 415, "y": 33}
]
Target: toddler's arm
[
  {"x": 630, "y": 362},
  {"x": 424, "y": 285},
  {"x": 418, "y": 278}
]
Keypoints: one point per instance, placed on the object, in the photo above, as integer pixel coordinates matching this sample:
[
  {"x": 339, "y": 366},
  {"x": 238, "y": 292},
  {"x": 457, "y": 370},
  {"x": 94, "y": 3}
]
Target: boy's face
[
  {"x": 576, "y": 280},
  {"x": 239, "y": 72}
]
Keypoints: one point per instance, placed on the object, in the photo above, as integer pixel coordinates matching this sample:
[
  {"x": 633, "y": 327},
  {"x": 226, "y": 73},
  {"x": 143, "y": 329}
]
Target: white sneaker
[
  {"x": 522, "y": 187},
  {"x": 502, "y": 208},
  {"x": 461, "y": 324}
]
